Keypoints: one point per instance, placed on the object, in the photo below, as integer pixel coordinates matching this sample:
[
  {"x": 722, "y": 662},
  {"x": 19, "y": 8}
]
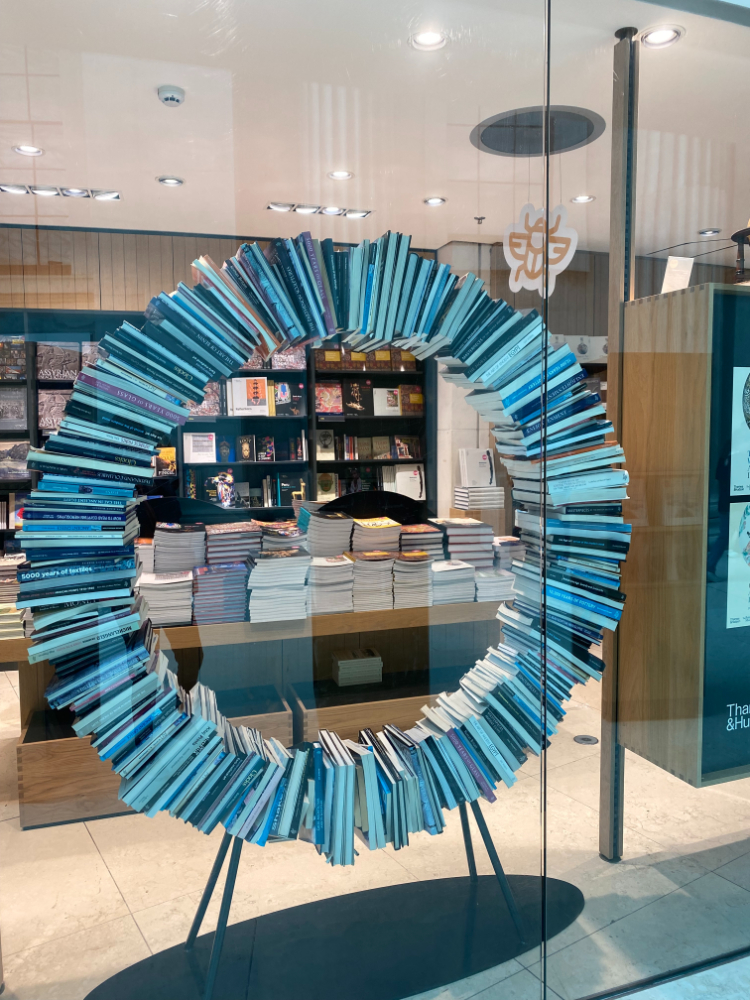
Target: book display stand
[{"x": 234, "y": 863}]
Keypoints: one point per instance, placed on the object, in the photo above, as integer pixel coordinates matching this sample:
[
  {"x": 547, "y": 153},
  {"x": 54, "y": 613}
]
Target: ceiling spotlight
[
  {"x": 662, "y": 36},
  {"x": 307, "y": 209},
  {"x": 106, "y": 195},
  {"x": 434, "y": 201},
  {"x": 332, "y": 210},
  {"x": 44, "y": 190},
  {"x": 75, "y": 192},
  {"x": 171, "y": 182},
  {"x": 428, "y": 41},
  {"x": 582, "y": 199},
  {"x": 341, "y": 175},
  {"x": 14, "y": 188},
  {"x": 281, "y": 206},
  {"x": 355, "y": 213},
  {"x": 28, "y": 150},
  {"x": 711, "y": 231}
]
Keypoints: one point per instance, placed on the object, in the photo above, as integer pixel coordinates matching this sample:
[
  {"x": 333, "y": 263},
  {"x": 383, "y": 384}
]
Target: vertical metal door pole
[{"x": 621, "y": 290}]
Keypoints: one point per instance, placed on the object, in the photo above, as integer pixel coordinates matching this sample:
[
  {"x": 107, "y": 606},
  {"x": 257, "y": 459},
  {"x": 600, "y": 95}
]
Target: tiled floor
[{"x": 79, "y": 902}]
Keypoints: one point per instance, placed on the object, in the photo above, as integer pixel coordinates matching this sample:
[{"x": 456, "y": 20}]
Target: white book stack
[
  {"x": 329, "y": 534},
  {"x": 280, "y": 535},
  {"x": 11, "y": 619},
  {"x": 278, "y": 587},
  {"x": 479, "y": 497},
  {"x": 179, "y": 547},
  {"x": 357, "y": 666},
  {"x": 494, "y": 585},
  {"x": 169, "y": 597},
  {"x": 375, "y": 533},
  {"x": 412, "y": 580},
  {"x": 238, "y": 541},
  {"x": 330, "y": 585},
  {"x": 311, "y": 505},
  {"x": 423, "y": 537},
  {"x": 452, "y": 582},
  {"x": 507, "y": 548},
  {"x": 467, "y": 539},
  {"x": 144, "y": 555},
  {"x": 373, "y": 580}
]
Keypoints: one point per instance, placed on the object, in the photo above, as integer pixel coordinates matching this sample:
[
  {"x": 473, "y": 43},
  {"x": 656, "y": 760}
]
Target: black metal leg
[
  {"x": 467, "y": 841},
  {"x": 499, "y": 873},
  {"x": 208, "y": 892},
  {"x": 221, "y": 927}
]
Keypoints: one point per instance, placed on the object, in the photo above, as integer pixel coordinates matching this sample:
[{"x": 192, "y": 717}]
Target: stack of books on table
[
  {"x": 478, "y": 497},
  {"x": 280, "y": 535},
  {"x": 310, "y": 505},
  {"x": 144, "y": 554},
  {"x": 424, "y": 537},
  {"x": 412, "y": 580},
  {"x": 11, "y": 618},
  {"x": 220, "y": 593},
  {"x": 467, "y": 539},
  {"x": 330, "y": 585},
  {"x": 179, "y": 547},
  {"x": 327, "y": 534},
  {"x": 373, "y": 580},
  {"x": 238, "y": 541},
  {"x": 169, "y": 597},
  {"x": 375, "y": 533},
  {"x": 278, "y": 586},
  {"x": 11, "y": 622},
  {"x": 494, "y": 585},
  {"x": 357, "y": 666},
  {"x": 452, "y": 582},
  {"x": 506, "y": 548}
]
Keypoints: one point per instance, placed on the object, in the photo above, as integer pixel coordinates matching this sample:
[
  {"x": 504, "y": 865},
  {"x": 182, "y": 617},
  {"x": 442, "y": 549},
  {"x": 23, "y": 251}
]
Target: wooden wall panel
[
  {"x": 31, "y": 268},
  {"x": 15, "y": 262},
  {"x": 130, "y": 270},
  {"x": 119, "y": 299}
]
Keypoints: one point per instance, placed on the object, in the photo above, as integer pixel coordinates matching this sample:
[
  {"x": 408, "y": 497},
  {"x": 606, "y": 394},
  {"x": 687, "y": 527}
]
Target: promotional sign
[{"x": 524, "y": 245}]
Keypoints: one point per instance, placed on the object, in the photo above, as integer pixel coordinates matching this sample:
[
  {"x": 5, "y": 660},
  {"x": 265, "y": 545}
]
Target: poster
[
  {"x": 740, "y": 470},
  {"x": 738, "y": 572}
]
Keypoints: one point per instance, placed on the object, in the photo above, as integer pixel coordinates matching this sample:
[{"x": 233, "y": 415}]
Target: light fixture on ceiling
[
  {"x": 582, "y": 199},
  {"x": 171, "y": 182},
  {"x": 662, "y": 35},
  {"x": 428, "y": 41},
  {"x": 307, "y": 209},
  {"x": 281, "y": 206},
  {"x": 433, "y": 202},
  {"x": 341, "y": 175},
  {"x": 711, "y": 231},
  {"x": 28, "y": 150},
  {"x": 106, "y": 195},
  {"x": 14, "y": 188},
  {"x": 356, "y": 213},
  {"x": 75, "y": 192},
  {"x": 332, "y": 210},
  {"x": 44, "y": 190}
]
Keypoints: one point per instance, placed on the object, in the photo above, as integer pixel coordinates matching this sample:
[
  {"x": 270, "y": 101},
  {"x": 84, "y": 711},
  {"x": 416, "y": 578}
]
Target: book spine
[
  {"x": 471, "y": 766},
  {"x": 125, "y": 396}
]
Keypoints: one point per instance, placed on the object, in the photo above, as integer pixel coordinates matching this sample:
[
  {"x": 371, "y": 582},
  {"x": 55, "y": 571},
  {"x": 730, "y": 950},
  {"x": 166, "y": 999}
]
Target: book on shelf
[
  {"x": 199, "y": 447},
  {"x": 248, "y": 397},
  {"x": 409, "y": 480},
  {"x": 289, "y": 399},
  {"x": 402, "y": 361},
  {"x": 13, "y": 459},
  {"x": 353, "y": 360},
  {"x": 406, "y": 446},
  {"x": 165, "y": 461},
  {"x": 411, "y": 399},
  {"x": 225, "y": 449},
  {"x": 245, "y": 448},
  {"x": 386, "y": 402},
  {"x": 357, "y": 397},
  {"x": 378, "y": 361},
  {"x": 211, "y": 406},
  {"x": 477, "y": 467},
  {"x": 327, "y": 360},
  {"x": 12, "y": 358},
  {"x": 325, "y": 445},
  {"x": 51, "y": 405},
  {"x": 13, "y": 408},
  {"x": 291, "y": 359},
  {"x": 264, "y": 448},
  {"x": 328, "y": 398},
  {"x": 381, "y": 447},
  {"x": 327, "y": 486},
  {"x": 57, "y": 362}
]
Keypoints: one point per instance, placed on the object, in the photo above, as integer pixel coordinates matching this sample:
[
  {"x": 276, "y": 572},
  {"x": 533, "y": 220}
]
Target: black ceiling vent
[{"x": 519, "y": 132}]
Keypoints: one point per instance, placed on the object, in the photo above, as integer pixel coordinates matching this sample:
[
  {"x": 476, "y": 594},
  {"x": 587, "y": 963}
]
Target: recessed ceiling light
[
  {"x": 341, "y": 175},
  {"x": 44, "y": 190},
  {"x": 582, "y": 199},
  {"x": 434, "y": 201},
  {"x": 332, "y": 210},
  {"x": 355, "y": 213},
  {"x": 28, "y": 150},
  {"x": 307, "y": 209},
  {"x": 428, "y": 41},
  {"x": 106, "y": 195},
  {"x": 75, "y": 192},
  {"x": 14, "y": 188},
  {"x": 281, "y": 206},
  {"x": 662, "y": 35},
  {"x": 171, "y": 182},
  {"x": 711, "y": 231}
]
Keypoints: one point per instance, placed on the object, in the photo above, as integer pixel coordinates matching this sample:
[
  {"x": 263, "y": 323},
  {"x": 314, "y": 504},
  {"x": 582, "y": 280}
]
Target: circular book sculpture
[{"x": 172, "y": 749}]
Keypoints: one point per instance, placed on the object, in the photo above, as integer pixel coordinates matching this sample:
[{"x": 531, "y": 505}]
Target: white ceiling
[{"x": 279, "y": 94}]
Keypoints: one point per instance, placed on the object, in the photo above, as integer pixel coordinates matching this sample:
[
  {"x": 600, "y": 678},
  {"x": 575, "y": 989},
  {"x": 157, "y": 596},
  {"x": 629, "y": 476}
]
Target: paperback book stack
[
  {"x": 375, "y": 533},
  {"x": 330, "y": 585},
  {"x": 452, "y": 582},
  {"x": 356, "y": 666},
  {"x": 494, "y": 585},
  {"x": 373, "y": 580},
  {"x": 144, "y": 554},
  {"x": 238, "y": 541},
  {"x": 423, "y": 537},
  {"x": 467, "y": 539},
  {"x": 169, "y": 597},
  {"x": 412, "y": 580},
  {"x": 11, "y": 618},
  {"x": 281, "y": 535},
  {"x": 506, "y": 548},
  {"x": 179, "y": 547},
  {"x": 478, "y": 497},
  {"x": 278, "y": 586},
  {"x": 327, "y": 534},
  {"x": 220, "y": 593}
]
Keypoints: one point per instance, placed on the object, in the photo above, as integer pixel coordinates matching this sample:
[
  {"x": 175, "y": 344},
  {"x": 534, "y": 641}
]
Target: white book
[
  {"x": 410, "y": 481},
  {"x": 386, "y": 402},
  {"x": 477, "y": 468},
  {"x": 249, "y": 397},
  {"x": 199, "y": 447}
]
